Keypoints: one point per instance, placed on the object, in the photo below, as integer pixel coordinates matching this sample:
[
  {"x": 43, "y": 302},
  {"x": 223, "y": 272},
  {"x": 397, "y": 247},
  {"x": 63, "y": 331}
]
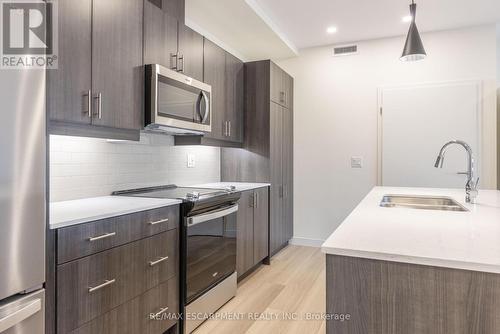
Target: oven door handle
[{"x": 211, "y": 215}]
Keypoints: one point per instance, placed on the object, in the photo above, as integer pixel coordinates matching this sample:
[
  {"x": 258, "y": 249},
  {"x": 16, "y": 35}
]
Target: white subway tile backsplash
[{"x": 89, "y": 167}]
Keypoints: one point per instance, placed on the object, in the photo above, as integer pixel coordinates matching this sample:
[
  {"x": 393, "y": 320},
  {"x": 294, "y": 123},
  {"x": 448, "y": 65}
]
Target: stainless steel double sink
[{"x": 441, "y": 203}]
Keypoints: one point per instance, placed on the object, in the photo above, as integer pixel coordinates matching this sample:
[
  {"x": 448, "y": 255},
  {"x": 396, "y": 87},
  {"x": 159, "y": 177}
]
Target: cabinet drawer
[
  {"x": 140, "y": 315},
  {"x": 85, "y": 239},
  {"x": 92, "y": 286}
]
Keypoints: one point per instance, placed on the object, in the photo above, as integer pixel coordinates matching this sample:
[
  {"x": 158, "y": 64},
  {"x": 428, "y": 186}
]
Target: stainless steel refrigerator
[{"x": 22, "y": 201}]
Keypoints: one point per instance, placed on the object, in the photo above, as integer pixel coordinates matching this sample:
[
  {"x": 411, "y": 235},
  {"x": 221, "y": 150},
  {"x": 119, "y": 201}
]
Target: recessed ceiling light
[
  {"x": 331, "y": 30},
  {"x": 407, "y": 19}
]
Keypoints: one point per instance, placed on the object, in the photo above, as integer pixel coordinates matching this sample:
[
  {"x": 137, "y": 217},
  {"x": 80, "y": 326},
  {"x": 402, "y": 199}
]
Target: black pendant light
[{"x": 414, "y": 49}]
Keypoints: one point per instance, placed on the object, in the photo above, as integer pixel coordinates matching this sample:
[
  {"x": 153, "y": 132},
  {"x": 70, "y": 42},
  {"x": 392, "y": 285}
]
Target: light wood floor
[{"x": 293, "y": 285}]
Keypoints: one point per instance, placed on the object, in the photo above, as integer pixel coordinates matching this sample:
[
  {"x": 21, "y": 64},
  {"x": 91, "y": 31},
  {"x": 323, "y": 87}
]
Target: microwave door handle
[
  {"x": 211, "y": 215},
  {"x": 207, "y": 106},
  {"x": 198, "y": 108}
]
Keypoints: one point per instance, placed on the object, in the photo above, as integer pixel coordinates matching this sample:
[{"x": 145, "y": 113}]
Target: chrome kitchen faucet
[{"x": 471, "y": 185}]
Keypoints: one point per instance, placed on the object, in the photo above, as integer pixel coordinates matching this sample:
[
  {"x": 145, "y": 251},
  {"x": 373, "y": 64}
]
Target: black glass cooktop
[{"x": 174, "y": 192}]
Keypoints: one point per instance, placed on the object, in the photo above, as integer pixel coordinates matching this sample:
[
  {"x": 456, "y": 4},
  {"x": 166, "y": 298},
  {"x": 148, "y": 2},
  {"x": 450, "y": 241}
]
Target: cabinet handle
[
  {"x": 100, "y": 286},
  {"x": 161, "y": 259},
  {"x": 174, "y": 58},
  {"x": 282, "y": 97},
  {"x": 256, "y": 200},
  {"x": 181, "y": 60},
  {"x": 158, "y": 221},
  {"x": 225, "y": 129},
  {"x": 281, "y": 191},
  {"x": 104, "y": 236},
  {"x": 158, "y": 314},
  {"x": 98, "y": 97},
  {"x": 229, "y": 127},
  {"x": 89, "y": 103}
]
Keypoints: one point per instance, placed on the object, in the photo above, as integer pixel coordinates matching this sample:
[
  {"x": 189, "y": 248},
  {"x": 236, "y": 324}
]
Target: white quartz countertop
[
  {"x": 462, "y": 240},
  {"x": 240, "y": 186},
  {"x": 79, "y": 211}
]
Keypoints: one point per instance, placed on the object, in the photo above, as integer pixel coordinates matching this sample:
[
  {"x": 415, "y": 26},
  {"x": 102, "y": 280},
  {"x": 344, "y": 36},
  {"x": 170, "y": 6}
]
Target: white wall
[
  {"x": 498, "y": 105},
  {"x": 336, "y": 116},
  {"x": 88, "y": 167}
]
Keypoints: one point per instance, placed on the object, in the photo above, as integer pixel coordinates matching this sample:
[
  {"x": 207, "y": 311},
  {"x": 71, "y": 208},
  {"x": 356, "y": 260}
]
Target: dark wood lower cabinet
[
  {"x": 152, "y": 313},
  {"x": 74, "y": 242},
  {"x": 261, "y": 225},
  {"x": 245, "y": 233},
  {"x": 96, "y": 284},
  {"x": 383, "y": 297},
  {"x": 119, "y": 286},
  {"x": 252, "y": 238}
]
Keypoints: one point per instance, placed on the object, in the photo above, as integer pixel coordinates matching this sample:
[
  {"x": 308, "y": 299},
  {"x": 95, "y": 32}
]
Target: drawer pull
[
  {"x": 106, "y": 283},
  {"x": 158, "y": 221},
  {"x": 104, "y": 236},
  {"x": 154, "y": 263},
  {"x": 163, "y": 310}
]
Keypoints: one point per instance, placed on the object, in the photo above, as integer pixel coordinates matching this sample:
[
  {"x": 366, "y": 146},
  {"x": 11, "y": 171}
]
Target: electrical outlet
[
  {"x": 191, "y": 160},
  {"x": 356, "y": 162}
]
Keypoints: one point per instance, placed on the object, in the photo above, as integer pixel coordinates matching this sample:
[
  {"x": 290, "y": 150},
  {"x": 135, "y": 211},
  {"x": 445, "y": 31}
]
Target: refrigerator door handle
[{"x": 18, "y": 316}]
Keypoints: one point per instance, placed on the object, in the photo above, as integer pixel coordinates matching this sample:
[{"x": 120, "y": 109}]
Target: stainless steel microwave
[{"x": 176, "y": 103}]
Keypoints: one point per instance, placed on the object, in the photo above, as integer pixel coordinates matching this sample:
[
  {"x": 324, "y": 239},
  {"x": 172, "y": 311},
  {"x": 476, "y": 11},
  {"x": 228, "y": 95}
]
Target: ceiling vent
[{"x": 345, "y": 50}]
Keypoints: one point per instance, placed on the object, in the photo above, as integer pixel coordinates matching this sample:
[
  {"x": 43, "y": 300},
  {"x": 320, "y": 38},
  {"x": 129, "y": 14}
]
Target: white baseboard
[{"x": 306, "y": 242}]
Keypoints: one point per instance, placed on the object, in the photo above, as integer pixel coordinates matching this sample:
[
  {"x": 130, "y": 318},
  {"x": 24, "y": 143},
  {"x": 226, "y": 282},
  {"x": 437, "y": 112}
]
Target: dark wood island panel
[{"x": 384, "y": 297}]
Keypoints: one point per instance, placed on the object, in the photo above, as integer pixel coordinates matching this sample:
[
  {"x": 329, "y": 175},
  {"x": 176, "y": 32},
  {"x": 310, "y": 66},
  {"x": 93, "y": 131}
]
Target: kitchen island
[{"x": 403, "y": 270}]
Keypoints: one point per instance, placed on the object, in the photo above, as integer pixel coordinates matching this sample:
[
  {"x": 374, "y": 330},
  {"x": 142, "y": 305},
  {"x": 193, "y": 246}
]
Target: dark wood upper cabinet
[
  {"x": 168, "y": 41},
  {"x": 160, "y": 35},
  {"x": 69, "y": 86},
  {"x": 226, "y": 74},
  {"x": 276, "y": 90},
  {"x": 175, "y": 8},
  {"x": 98, "y": 90},
  {"x": 190, "y": 53},
  {"x": 235, "y": 81},
  {"x": 281, "y": 86},
  {"x": 117, "y": 72},
  {"x": 215, "y": 75}
]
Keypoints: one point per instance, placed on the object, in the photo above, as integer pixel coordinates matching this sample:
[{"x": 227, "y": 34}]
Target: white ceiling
[
  {"x": 305, "y": 22},
  {"x": 262, "y": 29},
  {"x": 239, "y": 28}
]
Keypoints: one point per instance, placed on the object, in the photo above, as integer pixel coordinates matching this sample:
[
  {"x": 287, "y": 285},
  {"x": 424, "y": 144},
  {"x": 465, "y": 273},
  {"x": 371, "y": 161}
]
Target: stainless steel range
[{"x": 207, "y": 248}]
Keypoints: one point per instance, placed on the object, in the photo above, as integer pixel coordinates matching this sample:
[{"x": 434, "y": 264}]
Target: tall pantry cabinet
[{"x": 267, "y": 154}]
